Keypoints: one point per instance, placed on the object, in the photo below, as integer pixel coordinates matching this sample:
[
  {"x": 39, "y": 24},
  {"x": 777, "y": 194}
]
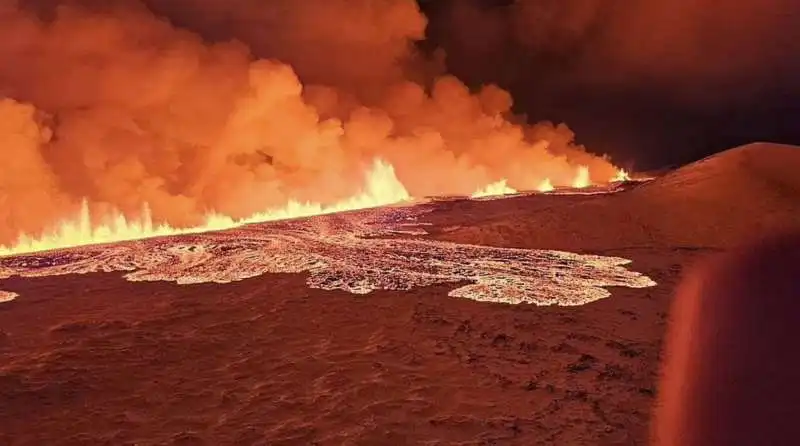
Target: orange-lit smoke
[
  {"x": 707, "y": 53},
  {"x": 121, "y": 107}
]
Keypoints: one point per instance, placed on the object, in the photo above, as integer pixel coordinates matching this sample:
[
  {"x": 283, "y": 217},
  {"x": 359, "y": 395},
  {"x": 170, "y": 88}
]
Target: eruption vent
[
  {"x": 382, "y": 188},
  {"x": 582, "y": 178},
  {"x": 358, "y": 252},
  {"x": 494, "y": 189},
  {"x": 117, "y": 124},
  {"x": 545, "y": 185}
]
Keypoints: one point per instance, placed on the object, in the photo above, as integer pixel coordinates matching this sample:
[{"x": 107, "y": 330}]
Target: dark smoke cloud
[
  {"x": 699, "y": 52},
  {"x": 238, "y": 106}
]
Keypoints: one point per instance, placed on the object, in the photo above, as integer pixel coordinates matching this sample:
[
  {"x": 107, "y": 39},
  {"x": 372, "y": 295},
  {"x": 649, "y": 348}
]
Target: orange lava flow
[
  {"x": 545, "y": 186},
  {"x": 582, "y": 180},
  {"x": 381, "y": 188},
  {"x": 495, "y": 189},
  {"x": 622, "y": 175}
]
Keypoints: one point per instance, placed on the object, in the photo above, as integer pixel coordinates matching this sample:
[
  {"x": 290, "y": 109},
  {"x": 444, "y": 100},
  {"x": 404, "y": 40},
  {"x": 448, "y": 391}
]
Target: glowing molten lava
[
  {"x": 381, "y": 188},
  {"x": 495, "y": 189},
  {"x": 355, "y": 252},
  {"x": 622, "y": 175},
  {"x": 582, "y": 178},
  {"x": 545, "y": 186}
]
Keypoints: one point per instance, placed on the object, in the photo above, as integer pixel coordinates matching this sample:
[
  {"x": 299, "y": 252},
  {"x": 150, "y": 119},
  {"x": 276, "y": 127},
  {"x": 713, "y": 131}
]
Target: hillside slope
[{"x": 716, "y": 202}]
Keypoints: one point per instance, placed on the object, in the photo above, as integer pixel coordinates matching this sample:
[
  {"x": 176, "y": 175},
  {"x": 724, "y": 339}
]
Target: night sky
[{"x": 654, "y": 83}]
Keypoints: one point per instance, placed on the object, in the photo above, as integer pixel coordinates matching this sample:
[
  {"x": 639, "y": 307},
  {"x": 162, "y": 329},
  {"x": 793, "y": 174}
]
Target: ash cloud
[
  {"x": 238, "y": 106},
  {"x": 698, "y": 53}
]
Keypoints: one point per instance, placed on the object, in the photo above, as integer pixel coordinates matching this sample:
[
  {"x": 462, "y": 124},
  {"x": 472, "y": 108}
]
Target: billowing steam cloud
[{"x": 121, "y": 106}]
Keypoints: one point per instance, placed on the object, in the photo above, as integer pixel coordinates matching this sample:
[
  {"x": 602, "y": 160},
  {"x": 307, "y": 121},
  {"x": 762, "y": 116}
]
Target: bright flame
[
  {"x": 545, "y": 186},
  {"x": 582, "y": 178},
  {"x": 495, "y": 189},
  {"x": 382, "y": 188},
  {"x": 622, "y": 175}
]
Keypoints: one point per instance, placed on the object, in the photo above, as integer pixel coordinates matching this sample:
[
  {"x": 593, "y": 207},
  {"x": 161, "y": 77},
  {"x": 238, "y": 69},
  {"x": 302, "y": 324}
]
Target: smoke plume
[
  {"x": 701, "y": 53},
  {"x": 238, "y": 106}
]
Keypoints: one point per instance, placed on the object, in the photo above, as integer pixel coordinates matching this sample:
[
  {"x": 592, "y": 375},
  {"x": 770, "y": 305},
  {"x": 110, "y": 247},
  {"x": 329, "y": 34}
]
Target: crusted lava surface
[{"x": 139, "y": 343}]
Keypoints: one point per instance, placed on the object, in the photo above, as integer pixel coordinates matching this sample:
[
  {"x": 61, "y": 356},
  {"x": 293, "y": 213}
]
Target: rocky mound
[{"x": 716, "y": 202}]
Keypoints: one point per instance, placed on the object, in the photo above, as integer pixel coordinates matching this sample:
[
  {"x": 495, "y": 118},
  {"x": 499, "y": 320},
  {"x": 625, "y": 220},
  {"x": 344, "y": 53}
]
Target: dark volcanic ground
[{"x": 95, "y": 359}]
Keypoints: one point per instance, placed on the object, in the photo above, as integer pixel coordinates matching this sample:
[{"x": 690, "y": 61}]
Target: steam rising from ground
[
  {"x": 358, "y": 252},
  {"x": 116, "y": 105}
]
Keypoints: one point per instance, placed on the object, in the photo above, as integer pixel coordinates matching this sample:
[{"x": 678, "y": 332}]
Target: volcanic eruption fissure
[
  {"x": 111, "y": 110},
  {"x": 358, "y": 252}
]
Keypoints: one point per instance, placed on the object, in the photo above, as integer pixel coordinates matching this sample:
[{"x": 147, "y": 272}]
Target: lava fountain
[
  {"x": 358, "y": 252},
  {"x": 381, "y": 187}
]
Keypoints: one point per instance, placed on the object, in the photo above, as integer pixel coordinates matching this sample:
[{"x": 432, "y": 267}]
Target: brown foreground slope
[{"x": 94, "y": 359}]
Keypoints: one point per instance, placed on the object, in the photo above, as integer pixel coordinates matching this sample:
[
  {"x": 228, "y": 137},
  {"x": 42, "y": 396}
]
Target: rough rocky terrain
[{"x": 94, "y": 359}]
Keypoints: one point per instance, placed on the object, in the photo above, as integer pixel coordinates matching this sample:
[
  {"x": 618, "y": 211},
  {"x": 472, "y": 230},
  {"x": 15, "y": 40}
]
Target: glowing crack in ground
[{"x": 358, "y": 252}]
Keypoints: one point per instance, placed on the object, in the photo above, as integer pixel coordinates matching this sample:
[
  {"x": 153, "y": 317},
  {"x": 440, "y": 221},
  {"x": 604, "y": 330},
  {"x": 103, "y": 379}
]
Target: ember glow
[
  {"x": 7, "y": 296},
  {"x": 495, "y": 189},
  {"x": 582, "y": 178},
  {"x": 622, "y": 175},
  {"x": 381, "y": 188},
  {"x": 118, "y": 125},
  {"x": 545, "y": 186},
  {"x": 358, "y": 252}
]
